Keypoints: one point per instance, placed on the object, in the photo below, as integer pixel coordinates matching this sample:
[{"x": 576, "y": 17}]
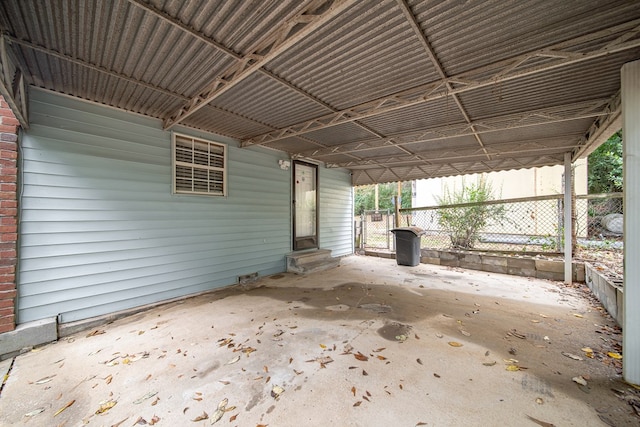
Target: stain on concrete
[{"x": 393, "y": 329}]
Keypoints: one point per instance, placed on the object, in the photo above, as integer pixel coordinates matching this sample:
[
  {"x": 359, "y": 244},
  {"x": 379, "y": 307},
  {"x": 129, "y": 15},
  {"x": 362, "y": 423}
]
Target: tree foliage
[
  {"x": 464, "y": 223},
  {"x": 605, "y": 166},
  {"x": 364, "y": 197}
]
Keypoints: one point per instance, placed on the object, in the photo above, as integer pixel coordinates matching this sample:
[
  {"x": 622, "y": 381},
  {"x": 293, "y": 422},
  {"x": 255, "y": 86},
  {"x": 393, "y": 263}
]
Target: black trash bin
[{"x": 408, "y": 245}]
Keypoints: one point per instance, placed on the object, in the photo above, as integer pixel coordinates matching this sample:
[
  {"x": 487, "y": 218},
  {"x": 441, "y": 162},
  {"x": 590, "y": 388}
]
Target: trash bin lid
[{"x": 415, "y": 230}]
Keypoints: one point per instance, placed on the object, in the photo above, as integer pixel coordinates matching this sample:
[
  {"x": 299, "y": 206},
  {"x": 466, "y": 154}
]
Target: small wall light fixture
[{"x": 284, "y": 164}]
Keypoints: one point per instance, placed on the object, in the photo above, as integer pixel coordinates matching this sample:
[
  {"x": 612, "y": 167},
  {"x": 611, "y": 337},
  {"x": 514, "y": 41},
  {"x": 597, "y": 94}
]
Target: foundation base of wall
[{"x": 26, "y": 336}]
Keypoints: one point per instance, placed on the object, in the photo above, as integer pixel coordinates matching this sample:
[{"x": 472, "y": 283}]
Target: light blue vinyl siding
[
  {"x": 100, "y": 230},
  {"x": 336, "y": 211}
]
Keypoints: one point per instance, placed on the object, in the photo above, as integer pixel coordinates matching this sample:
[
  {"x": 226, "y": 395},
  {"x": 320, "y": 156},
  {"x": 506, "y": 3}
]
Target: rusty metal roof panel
[{"x": 367, "y": 52}]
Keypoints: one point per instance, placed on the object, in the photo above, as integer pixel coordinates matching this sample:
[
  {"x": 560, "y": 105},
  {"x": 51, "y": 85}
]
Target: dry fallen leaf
[
  {"x": 34, "y": 412},
  {"x": 419, "y": 361},
  {"x": 276, "y": 391},
  {"x": 421, "y": 424},
  {"x": 96, "y": 332},
  {"x": 455, "y": 344},
  {"x": 154, "y": 420},
  {"x": 614, "y": 355},
  {"x": 381, "y": 357},
  {"x": 234, "y": 360},
  {"x": 204, "y": 416},
  {"x": 540, "y": 423},
  {"x": 579, "y": 380},
  {"x": 358, "y": 403},
  {"x": 365, "y": 373},
  {"x": 233, "y": 418},
  {"x": 217, "y": 415},
  {"x": 353, "y": 390},
  {"x": 106, "y": 406},
  {"x": 64, "y": 407},
  {"x": 361, "y": 357},
  {"x": 145, "y": 397},
  {"x": 323, "y": 346},
  {"x": 572, "y": 356}
]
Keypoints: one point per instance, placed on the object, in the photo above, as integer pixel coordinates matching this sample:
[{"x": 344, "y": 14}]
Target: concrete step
[{"x": 311, "y": 261}]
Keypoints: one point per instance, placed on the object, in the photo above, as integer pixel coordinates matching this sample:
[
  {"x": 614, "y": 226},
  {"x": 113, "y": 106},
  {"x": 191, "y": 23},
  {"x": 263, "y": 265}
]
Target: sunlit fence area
[{"x": 534, "y": 224}]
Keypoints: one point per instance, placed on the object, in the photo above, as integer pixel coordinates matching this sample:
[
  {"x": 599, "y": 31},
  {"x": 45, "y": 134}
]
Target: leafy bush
[{"x": 464, "y": 223}]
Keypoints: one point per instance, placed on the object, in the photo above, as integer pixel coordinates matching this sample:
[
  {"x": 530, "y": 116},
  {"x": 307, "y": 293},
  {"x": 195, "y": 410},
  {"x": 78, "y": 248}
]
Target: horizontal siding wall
[
  {"x": 336, "y": 211},
  {"x": 101, "y": 231}
]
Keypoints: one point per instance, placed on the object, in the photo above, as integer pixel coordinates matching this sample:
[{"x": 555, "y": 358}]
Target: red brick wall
[{"x": 8, "y": 215}]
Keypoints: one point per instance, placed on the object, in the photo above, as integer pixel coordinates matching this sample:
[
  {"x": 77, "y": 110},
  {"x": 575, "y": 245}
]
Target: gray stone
[{"x": 613, "y": 222}]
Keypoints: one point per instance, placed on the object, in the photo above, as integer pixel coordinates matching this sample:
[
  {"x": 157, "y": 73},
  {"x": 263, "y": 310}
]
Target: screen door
[{"x": 305, "y": 205}]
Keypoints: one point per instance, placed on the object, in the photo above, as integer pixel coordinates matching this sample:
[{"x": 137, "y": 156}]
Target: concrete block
[
  {"x": 450, "y": 259},
  {"x": 28, "y": 335},
  {"x": 495, "y": 268},
  {"x": 524, "y": 272},
  {"x": 522, "y": 264},
  {"x": 548, "y": 265},
  {"x": 578, "y": 272},
  {"x": 471, "y": 265},
  {"x": 470, "y": 259},
  {"x": 494, "y": 261},
  {"x": 429, "y": 260},
  {"x": 430, "y": 253},
  {"x": 549, "y": 275},
  {"x": 620, "y": 304}
]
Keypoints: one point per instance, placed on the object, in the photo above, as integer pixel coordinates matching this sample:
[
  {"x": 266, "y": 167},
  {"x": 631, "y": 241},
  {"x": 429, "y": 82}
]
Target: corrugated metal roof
[{"x": 392, "y": 89}]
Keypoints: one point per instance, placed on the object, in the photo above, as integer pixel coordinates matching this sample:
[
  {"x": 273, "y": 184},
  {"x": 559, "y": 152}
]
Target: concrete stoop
[{"x": 305, "y": 262}]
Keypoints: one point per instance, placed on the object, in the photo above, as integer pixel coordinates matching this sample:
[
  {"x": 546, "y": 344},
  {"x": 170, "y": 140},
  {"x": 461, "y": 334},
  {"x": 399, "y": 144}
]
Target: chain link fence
[
  {"x": 533, "y": 224},
  {"x": 376, "y": 229},
  {"x": 599, "y": 221}
]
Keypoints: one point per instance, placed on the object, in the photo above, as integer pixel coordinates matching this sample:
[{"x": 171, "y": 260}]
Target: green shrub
[{"x": 464, "y": 223}]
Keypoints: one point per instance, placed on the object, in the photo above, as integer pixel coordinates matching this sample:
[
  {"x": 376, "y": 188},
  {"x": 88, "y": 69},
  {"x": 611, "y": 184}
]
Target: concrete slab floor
[{"x": 369, "y": 343}]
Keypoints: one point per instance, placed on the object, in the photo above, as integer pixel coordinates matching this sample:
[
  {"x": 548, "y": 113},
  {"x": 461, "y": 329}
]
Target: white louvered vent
[{"x": 199, "y": 166}]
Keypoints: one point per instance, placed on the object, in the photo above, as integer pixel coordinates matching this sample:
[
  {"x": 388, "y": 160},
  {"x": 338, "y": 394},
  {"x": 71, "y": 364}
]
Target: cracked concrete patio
[{"x": 369, "y": 343}]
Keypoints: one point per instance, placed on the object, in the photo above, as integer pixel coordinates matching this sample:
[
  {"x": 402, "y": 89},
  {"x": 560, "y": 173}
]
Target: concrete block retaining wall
[
  {"x": 610, "y": 294},
  {"x": 506, "y": 264}
]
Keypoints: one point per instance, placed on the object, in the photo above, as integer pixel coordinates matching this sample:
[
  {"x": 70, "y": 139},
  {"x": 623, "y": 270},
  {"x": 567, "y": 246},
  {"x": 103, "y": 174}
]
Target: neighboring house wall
[
  {"x": 101, "y": 231},
  {"x": 510, "y": 184},
  {"x": 8, "y": 215},
  {"x": 506, "y": 184}
]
